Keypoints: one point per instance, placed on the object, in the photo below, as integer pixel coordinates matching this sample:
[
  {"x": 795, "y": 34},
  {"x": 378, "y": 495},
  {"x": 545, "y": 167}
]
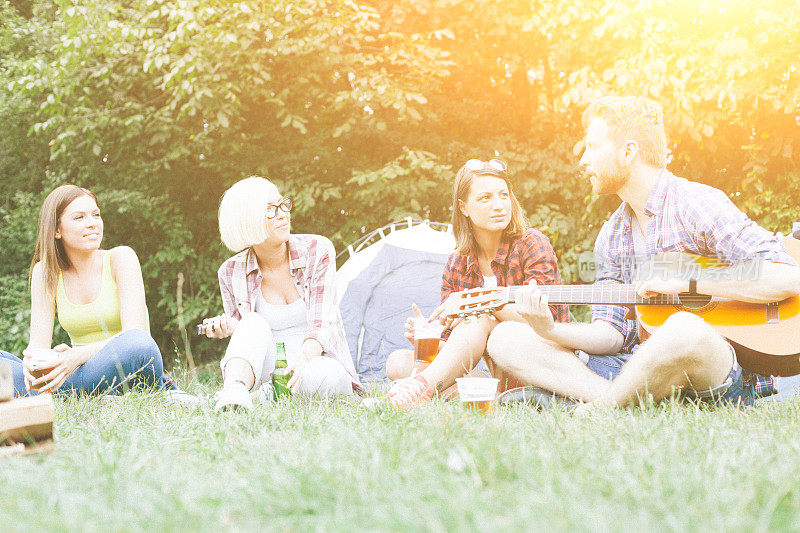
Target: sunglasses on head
[{"x": 492, "y": 165}]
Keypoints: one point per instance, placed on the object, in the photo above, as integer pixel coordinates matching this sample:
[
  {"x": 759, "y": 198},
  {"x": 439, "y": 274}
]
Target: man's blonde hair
[{"x": 633, "y": 118}]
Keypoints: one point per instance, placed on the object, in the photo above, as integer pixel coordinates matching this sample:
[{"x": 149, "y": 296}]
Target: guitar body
[
  {"x": 763, "y": 347},
  {"x": 767, "y": 343}
]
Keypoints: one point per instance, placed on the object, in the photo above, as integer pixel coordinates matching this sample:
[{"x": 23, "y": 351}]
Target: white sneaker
[
  {"x": 184, "y": 399},
  {"x": 263, "y": 394},
  {"x": 233, "y": 396}
]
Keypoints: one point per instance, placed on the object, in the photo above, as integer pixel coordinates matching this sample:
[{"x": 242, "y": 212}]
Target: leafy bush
[{"x": 362, "y": 111}]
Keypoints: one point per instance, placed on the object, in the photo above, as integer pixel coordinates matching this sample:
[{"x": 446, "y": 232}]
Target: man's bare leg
[
  {"x": 520, "y": 352},
  {"x": 683, "y": 352}
]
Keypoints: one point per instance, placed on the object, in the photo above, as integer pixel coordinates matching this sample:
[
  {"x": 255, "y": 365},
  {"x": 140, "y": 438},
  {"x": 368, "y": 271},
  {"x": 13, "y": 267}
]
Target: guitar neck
[{"x": 597, "y": 294}]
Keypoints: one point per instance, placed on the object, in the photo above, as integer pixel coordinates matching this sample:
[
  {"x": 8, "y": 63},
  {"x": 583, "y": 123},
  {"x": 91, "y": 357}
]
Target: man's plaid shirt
[
  {"x": 312, "y": 264},
  {"x": 686, "y": 217},
  {"x": 530, "y": 257}
]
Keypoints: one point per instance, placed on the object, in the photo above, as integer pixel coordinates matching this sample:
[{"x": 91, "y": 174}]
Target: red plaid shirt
[
  {"x": 530, "y": 257},
  {"x": 312, "y": 263}
]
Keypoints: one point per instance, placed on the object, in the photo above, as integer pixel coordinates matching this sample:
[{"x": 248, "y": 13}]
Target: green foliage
[
  {"x": 15, "y": 318},
  {"x": 363, "y": 111},
  {"x": 17, "y": 238}
]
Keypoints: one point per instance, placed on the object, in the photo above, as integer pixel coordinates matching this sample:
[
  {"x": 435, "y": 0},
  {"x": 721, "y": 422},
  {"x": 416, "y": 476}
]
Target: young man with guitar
[{"x": 604, "y": 363}]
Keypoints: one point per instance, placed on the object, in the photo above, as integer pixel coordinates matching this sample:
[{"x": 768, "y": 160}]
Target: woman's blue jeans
[{"x": 131, "y": 358}]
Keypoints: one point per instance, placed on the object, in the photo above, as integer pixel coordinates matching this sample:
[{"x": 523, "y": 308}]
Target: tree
[{"x": 363, "y": 110}]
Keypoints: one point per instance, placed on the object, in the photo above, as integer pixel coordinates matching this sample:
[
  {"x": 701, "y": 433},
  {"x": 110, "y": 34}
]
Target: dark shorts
[{"x": 737, "y": 389}]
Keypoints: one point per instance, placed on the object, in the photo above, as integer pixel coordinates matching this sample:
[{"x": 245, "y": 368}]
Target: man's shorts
[{"x": 737, "y": 389}]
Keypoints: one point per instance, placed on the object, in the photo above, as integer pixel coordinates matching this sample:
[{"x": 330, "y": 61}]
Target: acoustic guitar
[{"x": 766, "y": 336}]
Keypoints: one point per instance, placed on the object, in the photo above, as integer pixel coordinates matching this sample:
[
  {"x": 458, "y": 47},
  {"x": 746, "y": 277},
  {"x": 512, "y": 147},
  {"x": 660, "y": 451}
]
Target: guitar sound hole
[{"x": 694, "y": 301}]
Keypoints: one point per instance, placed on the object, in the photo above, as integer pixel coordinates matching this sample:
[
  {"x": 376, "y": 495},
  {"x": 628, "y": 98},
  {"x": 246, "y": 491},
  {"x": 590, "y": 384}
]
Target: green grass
[{"x": 140, "y": 464}]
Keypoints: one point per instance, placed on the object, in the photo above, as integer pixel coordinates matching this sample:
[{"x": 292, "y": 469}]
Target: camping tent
[{"x": 388, "y": 270}]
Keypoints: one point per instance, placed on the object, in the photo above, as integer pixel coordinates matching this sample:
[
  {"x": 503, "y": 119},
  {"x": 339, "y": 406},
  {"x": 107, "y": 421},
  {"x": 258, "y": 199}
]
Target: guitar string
[
  {"x": 623, "y": 293},
  {"x": 626, "y": 292}
]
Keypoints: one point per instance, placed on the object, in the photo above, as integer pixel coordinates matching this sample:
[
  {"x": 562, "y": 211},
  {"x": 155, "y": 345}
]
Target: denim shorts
[
  {"x": 737, "y": 389},
  {"x": 606, "y": 366}
]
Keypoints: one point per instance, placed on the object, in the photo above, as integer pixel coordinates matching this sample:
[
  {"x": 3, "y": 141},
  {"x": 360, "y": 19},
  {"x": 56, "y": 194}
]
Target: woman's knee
[
  {"x": 251, "y": 338},
  {"x": 139, "y": 341},
  {"x": 504, "y": 339},
  {"x": 325, "y": 377},
  {"x": 399, "y": 364},
  {"x": 137, "y": 347}
]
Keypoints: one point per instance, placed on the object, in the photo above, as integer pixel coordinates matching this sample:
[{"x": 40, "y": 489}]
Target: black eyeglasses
[
  {"x": 285, "y": 206},
  {"x": 492, "y": 165}
]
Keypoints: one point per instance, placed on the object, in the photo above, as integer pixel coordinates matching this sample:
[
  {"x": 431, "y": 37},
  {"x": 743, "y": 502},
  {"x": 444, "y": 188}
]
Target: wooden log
[
  {"x": 26, "y": 421},
  {"x": 45, "y": 446},
  {"x": 6, "y": 382}
]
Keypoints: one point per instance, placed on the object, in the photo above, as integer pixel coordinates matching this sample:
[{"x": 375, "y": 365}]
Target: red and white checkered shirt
[
  {"x": 312, "y": 263},
  {"x": 529, "y": 257}
]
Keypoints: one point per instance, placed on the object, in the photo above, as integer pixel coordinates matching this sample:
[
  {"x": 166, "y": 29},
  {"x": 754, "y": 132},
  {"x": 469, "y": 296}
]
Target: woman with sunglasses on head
[
  {"x": 494, "y": 248},
  {"x": 98, "y": 296},
  {"x": 280, "y": 288}
]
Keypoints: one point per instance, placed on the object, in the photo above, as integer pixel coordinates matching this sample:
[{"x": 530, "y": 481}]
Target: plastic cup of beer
[
  {"x": 477, "y": 394},
  {"x": 426, "y": 339},
  {"x": 42, "y": 364}
]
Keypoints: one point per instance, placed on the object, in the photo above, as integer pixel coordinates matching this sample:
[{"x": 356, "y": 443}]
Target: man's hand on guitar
[
  {"x": 657, "y": 285},
  {"x": 532, "y": 305}
]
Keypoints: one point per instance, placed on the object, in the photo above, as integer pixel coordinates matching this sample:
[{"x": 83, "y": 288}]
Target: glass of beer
[
  {"x": 42, "y": 364},
  {"x": 477, "y": 394},
  {"x": 426, "y": 339}
]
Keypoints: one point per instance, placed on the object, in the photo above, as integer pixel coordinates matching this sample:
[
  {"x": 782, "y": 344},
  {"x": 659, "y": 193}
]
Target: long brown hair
[
  {"x": 49, "y": 250},
  {"x": 462, "y": 226}
]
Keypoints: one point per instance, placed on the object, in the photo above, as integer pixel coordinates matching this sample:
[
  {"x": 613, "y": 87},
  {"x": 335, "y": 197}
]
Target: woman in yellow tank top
[{"x": 98, "y": 296}]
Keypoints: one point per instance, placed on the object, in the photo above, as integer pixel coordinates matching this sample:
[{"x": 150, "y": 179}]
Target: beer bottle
[{"x": 280, "y": 376}]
